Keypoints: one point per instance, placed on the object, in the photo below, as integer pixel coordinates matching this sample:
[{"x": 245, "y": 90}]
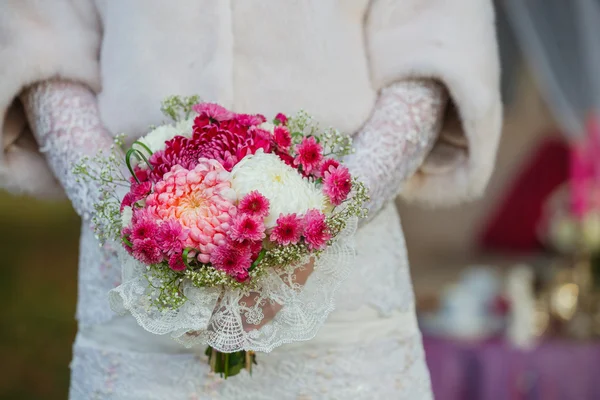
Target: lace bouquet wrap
[{"x": 235, "y": 232}]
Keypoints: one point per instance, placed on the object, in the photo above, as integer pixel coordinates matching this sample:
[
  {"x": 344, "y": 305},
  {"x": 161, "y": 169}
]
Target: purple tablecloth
[{"x": 493, "y": 370}]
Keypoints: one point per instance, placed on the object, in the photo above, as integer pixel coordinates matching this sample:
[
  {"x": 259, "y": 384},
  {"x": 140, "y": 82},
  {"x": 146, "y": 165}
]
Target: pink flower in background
[
  {"x": 282, "y": 137},
  {"x": 316, "y": 232},
  {"x": 337, "y": 184},
  {"x": 327, "y": 164},
  {"x": 176, "y": 262},
  {"x": 171, "y": 237},
  {"x": 254, "y": 204},
  {"x": 310, "y": 154},
  {"x": 231, "y": 260},
  {"x": 288, "y": 230},
  {"x": 247, "y": 227},
  {"x": 147, "y": 251},
  {"x": 201, "y": 200},
  {"x": 281, "y": 118}
]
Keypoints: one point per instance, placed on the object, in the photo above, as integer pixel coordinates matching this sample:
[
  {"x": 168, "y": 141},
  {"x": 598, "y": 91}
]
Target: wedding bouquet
[{"x": 236, "y": 232}]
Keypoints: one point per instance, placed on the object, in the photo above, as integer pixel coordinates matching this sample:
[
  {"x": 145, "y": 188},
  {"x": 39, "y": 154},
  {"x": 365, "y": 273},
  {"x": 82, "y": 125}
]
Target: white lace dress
[{"x": 369, "y": 347}]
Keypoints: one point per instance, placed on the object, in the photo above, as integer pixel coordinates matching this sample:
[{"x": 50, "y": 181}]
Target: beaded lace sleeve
[
  {"x": 396, "y": 139},
  {"x": 65, "y": 122}
]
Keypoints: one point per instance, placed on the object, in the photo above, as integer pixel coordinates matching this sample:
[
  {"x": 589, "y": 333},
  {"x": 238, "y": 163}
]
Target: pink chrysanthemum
[
  {"x": 176, "y": 262},
  {"x": 310, "y": 154},
  {"x": 316, "y": 231},
  {"x": 248, "y": 120},
  {"x": 144, "y": 226},
  {"x": 242, "y": 276},
  {"x": 231, "y": 260},
  {"x": 213, "y": 111},
  {"x": 288, "y": 230},
  {"x": 147, "y": 251},
  {"x": 254, "y": 204},
  {"x": 327, "y": 164},
  {"x": 337, "y": 184},
  {"x": 142, "y": 174},
  {"x": 126, "y": 234},
  {"x": 171, "y": 237},
  {"x": 281, "y": 119},
  {"x": 137, "y": 192},
  {"x": 282, "y": 137},
  {"x": 201, "y": 200},
  {"x": 285, "y": 157},
  {"x": 247, "y": 227}
]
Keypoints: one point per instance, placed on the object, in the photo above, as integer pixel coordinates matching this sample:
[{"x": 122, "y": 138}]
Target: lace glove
[
  {"x": 65, "y": 121},
  {"x": 394, "y": 142}
]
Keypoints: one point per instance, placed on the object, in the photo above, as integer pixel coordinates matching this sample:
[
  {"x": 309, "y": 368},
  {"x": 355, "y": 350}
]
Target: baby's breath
[
  {"x": 179, "y": 108},
  {"x": 105, "y": 169},
  {"x": 335, "y": 144}
]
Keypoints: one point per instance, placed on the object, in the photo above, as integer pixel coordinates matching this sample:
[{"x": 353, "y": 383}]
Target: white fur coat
[{"x": 329, "y": 57}]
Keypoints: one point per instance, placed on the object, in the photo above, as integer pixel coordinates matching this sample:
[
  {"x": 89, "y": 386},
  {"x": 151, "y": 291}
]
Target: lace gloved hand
[
  {"x": 395, "y": 141},
  {"x": 65, "y": 121}
]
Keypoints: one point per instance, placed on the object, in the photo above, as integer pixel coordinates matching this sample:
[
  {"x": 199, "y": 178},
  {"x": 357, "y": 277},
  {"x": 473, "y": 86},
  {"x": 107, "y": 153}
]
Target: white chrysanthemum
[
  {"x": 156, "y": 139},
  {"x": 185, "y": 127},
  {"x": 287, "y": 191},
  {"x": 126, "y": 216}
]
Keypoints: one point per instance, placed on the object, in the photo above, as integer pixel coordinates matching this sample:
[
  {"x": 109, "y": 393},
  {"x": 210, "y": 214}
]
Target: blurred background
[{"x": 507, "y": 287}]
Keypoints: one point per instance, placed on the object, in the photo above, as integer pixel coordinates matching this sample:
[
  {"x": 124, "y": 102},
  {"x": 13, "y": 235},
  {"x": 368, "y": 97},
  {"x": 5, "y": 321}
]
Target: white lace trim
[{"x": 229, "y": 320}]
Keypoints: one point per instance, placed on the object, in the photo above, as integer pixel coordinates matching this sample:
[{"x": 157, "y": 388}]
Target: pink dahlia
[
  {"x": 316, "y": 231},
  {"x": 201, "y": 200},
  {"x": 254, "y": 204},
  {"x": 288, "y": 230},
  {"x": 180, "y": 151},
  {"x": 147, "y": 251},
  {"x": 228, "y": 146},
  {"x": 247, "y": 227},
  {"x": 327, "y": 164},
  {"x": 281, "y": 119},
  {"x": 231, "y": 260},
  {"x": 337, "y": 184},
  {"x": 171, "y": 237},
  {"x": 310, "y": 154},
  {"x": 282, "y": 137}
]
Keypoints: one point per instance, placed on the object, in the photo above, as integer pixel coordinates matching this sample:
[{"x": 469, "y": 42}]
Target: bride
[{"x": 415, "y": 82}]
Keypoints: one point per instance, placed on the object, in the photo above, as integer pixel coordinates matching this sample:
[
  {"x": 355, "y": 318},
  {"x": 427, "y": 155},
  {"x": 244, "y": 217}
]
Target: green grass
[{"x": 38, "y": 288}]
